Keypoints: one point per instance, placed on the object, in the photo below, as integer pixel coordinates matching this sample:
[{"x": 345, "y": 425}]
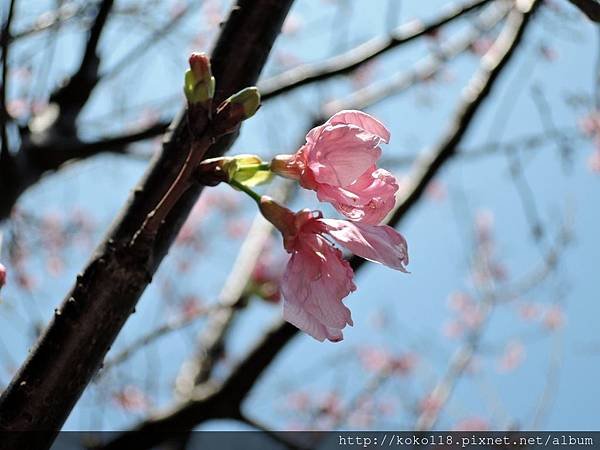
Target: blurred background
[{"x": 496, "y": 325}]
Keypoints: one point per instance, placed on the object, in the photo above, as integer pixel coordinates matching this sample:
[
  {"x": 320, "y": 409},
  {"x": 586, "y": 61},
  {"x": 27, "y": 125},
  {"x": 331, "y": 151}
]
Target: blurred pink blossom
[
  {"x": 436, "y": 191},
  {"x": 529, "y": 311},
  {"x": 131, "y": 398},
  {"x": 593, "y": 161},
  {"x": 514, "y": 354},
  {"x": 554, "y": 318}
]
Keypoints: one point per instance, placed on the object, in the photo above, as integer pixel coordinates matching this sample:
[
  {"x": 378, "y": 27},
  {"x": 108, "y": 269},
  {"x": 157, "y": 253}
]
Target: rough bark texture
[{"x": 72, "y": 348}]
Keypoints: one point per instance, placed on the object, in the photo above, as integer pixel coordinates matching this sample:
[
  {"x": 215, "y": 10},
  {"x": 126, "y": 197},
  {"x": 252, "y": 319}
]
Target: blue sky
[{"x": 439, "y": 232}]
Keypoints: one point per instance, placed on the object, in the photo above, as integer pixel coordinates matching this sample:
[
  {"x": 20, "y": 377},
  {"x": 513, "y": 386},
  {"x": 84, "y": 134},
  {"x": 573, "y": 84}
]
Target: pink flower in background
[
  {"x": 529, "y": 311},
  {"x": 131, "y": 398},
  {"x": 590, "y": 127},
  {"x": 593, "y": 161},
  {"x": 317, "y": 277},
  {"x": 514, "y": 354},
  {"x": 472, "y": 424},
  {"x": 338, "y": 163},
  {"x": 2, "y": 275},
  {"x": 554, "y": 318}
]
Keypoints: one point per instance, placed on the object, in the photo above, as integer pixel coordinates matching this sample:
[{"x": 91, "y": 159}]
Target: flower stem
[{"x": 246, "y": 189}]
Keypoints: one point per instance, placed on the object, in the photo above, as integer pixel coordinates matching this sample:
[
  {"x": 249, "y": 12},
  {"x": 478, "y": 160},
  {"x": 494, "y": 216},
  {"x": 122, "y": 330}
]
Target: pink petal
[
  {"x": 342, "y": 154},
  {"x": 361, "y": 120},
  {"x": 378, "y": 243},
  {"x": 368, "y": 200},
  {"x": 314, "y": 283}
]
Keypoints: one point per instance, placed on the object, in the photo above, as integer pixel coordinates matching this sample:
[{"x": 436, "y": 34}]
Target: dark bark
[
  {"x": 72, "y": 348},
  {"x": 591, "y": 8}
]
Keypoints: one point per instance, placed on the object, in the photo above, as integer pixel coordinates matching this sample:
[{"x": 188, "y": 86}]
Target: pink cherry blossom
[
  {"x": 514, "y": 354},
  {"x": 554, "y": 318},
  {"x": 317, "y": 277},
  {"x": 593, "y": 161},
  {"x": 338, "y": 162}
]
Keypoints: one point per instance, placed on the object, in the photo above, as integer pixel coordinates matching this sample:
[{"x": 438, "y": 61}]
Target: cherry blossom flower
[
  {"x": 529, "y": 311},
  {"x": 514, "y": 354},
  {"x": 593, "y": 161},
  {"x": 554, "y": 318},
  {"x": 131, "y": 398},
  {"x": 317, "y": 277},
  {"x": 338, "y": 162}
]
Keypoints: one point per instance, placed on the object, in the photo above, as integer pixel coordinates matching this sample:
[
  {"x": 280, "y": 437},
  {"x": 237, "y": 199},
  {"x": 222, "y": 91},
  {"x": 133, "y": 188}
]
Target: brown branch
[
  {"x": 232, "y": 299},
  {"x": 426, "y": 68},
  {"x": 234, "y": 390},
  {"x": 51, "y": 19},
  {"x": 473, "y": 97},
  {"x": 5, "y": 44},
  {"x": 37, "y": 159},
  {"x": 32, "y": 159},
  {"x": 74, "y": 94},
  {"x": 525, "y": 142},
  {"x": 591, "y": 8},
  {"x": 56, "y": 372},
  {"x": 355, "y": 57}
]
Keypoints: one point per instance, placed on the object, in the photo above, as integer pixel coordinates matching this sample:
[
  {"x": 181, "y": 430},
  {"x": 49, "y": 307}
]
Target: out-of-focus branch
[
  {"x": 73, "y": 95},
  {"x": 209, "y": 401},
  {"x": 75, "y": 149},
  {"x": 49, "y": 20},
  {"x": 232, "y": 298},
  {"x": 139, "y": 50},
  {"x": 234, "y": 390},
  {"x": 527, "y": 142},
  {"x": 462, "y": 358},
  {"x": 355, "y": 57},
  {"x": 591, "y": 8},
  {"x": 56, "y": 126},
  {"x": 43, "y": 392},
  {"x": 426, "y": 68},
  {"x": 149, "y": 338},
  {"x": 473, "y": 96}
]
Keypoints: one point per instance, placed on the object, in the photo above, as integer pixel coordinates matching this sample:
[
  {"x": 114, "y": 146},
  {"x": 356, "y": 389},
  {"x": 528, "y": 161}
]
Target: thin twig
[{"x": 355, "y": 57}]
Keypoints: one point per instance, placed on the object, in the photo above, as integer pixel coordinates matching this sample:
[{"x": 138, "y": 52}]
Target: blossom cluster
[{"x": 338, "y": 162}]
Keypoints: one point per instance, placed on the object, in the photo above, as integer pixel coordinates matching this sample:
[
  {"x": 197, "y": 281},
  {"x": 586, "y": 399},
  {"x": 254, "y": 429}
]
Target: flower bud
[
  {"x": 199, "y": 84},
  {"x": 200, "y": 66},
  {"x": 237, "y": 108},
  {"x": 249, "y": 99}
]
